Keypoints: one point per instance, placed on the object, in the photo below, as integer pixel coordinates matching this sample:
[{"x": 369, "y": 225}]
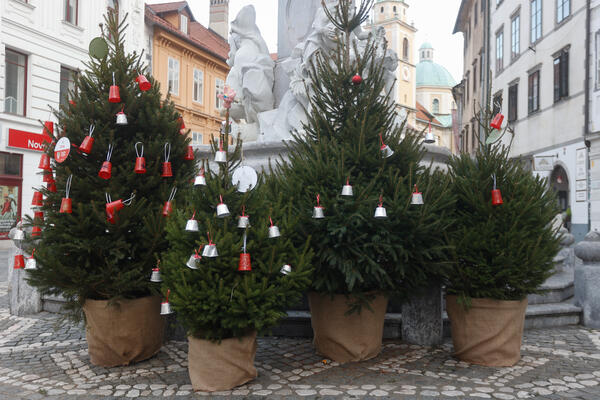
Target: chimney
[{"x": 219, "y": 17}]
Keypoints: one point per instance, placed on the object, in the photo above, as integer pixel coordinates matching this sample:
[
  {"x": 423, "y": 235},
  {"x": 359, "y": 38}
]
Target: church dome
[{"x": 430, "y": 73}]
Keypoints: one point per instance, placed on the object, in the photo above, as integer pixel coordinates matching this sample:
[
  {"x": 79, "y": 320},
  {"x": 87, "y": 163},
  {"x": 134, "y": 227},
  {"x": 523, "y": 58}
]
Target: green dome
[
  {"x": 426, "y": 45},
  {"x": 432, "y": 74}
]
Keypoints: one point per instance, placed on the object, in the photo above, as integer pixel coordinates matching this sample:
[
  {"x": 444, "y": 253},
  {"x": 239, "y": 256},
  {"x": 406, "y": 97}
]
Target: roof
[
  {"x": 178, "y": 6},
  {"x": 424, "y": 115},
  {"x": 433, "y": 74},
  {"x": 461, "y": 17},
  {"x": 426, "y": 45},
  {"x": 203, "y": 38}
]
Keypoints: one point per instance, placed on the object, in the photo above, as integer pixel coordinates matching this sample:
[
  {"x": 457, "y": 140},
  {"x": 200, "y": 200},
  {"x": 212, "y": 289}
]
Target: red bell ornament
[
  {"x": 38, "y": 199},
  {"x": 140, "y": 161},
  {"x": 88, "y": 142},
  {"x": 36, "y": 231},
  {"x": 112, "y": 207},
  {"x": 497, "y": 121},
  {"x": 66, "y": 203},
  {"x": 48, "y": 177},
  {"x": 168, "y": 207},
  {"x": 167, "y": 171},
  {"x": 39, "y": 215},
  {"x": 143, "y": 83},
  {"x": 49, "y": 128},
  {"x": 113, "y": 94},
  {"x": 245, "y": 263},
  {"x": 189, "y": 155},
  {"x": 19, "y": 261},
  {"x": 45, "y": 162},
  {"x": 496, "y": 195},
  {"x": 182, "y": 129},
  {"x": 51, "y": 187},
  {"x": 106, "y": 169},
  {"x": 357, "y": 79}
]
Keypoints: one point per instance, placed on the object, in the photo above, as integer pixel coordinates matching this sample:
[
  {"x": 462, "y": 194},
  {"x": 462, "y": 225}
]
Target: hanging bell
[
  {"x": 192, "y": 224},
  {"x": 221, "y": 156},
  {"x": 243, "y": 222},
  {"x": 19, "y": 234},
  {"x": 51, "y": 187},
  {"x": 36, "y": 231},
  {"x": 121, "y": 118},
  {"x": 496, "y": 197},
  {"x": 66, "y": 205},
  {"x": 45, "y": 162},
  {"x": 347, "y": 189},
  {"x": 189, "y": 155},
  {"x": 245, "y": 264},
  {"x": 140, "y": 165},
  {"x": 49, "y": 128},
  {"x": 113, "y": 93},
  {"x": 143, "y": 83},
  {"x": 417, "y": 197},
  {"x": 88, "y": 142},
  {"x": 386, "y": 151},
  {"x": 318, "y": 212},
  {"x": 273, "y": 230},
  {"x": 429, "y": 138},
  {"x": 286, "y": 269},
  {"x": 200, "y": 180},
  {"x": 222, "y": 210},
  {"x": 192, "y": 261},
  {"x": 181, "y": 126},
  {"x": 497, "y": 121},
  {"x": 210, "y": 250},
  {"x": 168, "y": 207},
  {"x": 106, "y": 170},
  {"x": 165, "y": 308},
  {"x": 155, "y": 276},
  {"x": 380, "y": 211},
  {"x": 31, "y": 263},
  {"x": 39, "y": 216},
  {"x": 167, "y": 172},
  {"x": 115, "y": 206},
  {"x": 48, "y": 177},
  {"x": 19, "y": 261},
  {"x": 38, "y": 199}
]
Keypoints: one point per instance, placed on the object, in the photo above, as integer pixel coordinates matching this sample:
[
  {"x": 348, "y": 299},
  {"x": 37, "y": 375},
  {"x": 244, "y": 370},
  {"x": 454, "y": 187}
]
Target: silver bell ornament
[
  {"x": 121, "y": 117},
  {"x": 273, "y": 230},
  {"x": 386, "y": 150},
  {"x": 19, "y": 234},
  {"x": 200, "y": 179},
  {"x": 222, "y": 210},
  {"x": 347, "y": 189},
  {"x": 191, "y": 264},
  {"x": 165, "y": 306},
  {"x": 221, "y": 155},
  {"x": 192, "y": 224},
  {"x": 243, "y": 220},
  {"x": 429, "y": 138},
  {"x": 380, "y": 211},
  {"x": 210, "y": 250},
  {"x": 31, "y": 263},
  {"x": 417, "y": 197},
  {"x": 155, "y": 276},
  {"x": 286, "y": 269},
  {"x": 318, "y": 211}
]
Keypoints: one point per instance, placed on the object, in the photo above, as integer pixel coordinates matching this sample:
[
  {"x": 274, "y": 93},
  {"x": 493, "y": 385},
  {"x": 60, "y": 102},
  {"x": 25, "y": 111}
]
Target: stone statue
[{"x": 251, "y": 75}]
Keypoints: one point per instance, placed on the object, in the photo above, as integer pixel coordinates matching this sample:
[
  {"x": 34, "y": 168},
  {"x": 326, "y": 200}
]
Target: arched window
[
  {"x": 382, "y": 9},
  {"x": 405, "y": 49},
  {"x": 435, "y": 107},
  {"x": 394, "y": 9}
]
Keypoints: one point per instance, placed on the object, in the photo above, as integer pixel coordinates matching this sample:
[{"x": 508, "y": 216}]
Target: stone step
[
  {"x": 54, "y": 304},
  {"x": 558, "y": 287}
]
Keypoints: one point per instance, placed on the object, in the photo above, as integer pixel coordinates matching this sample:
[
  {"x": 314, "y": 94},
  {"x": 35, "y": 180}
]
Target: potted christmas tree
[
  {"x": 103, "y": 218},
  {"x": 504, "y": 246},
  {"x": 375, "y": 216},
  {"x": 231, "y": 267}
]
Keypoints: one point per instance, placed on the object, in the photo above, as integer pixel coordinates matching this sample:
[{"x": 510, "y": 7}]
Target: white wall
[
  {"x": 594, "y": 120},
  {"x": 426, "y": 94}
]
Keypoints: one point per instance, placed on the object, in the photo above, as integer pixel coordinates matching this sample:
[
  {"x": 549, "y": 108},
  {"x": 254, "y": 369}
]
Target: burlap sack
[
  {"x": 344, "y": 338},
  {"x": 221, "y": 366},
  {"x": 124, "y": 332},
  {"x": 489, "y": 332}
]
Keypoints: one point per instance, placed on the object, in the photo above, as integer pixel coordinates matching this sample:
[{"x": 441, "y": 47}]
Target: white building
[
  {"x": 593, "y": 112},
  {"x": 538, "y": 64},
  {"x": 42, "y": 44}
]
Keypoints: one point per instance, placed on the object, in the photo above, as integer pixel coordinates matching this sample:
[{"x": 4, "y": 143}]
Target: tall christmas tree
[
  {"x": 124, "y": 148},
  {"x": 383, "y": 212}
]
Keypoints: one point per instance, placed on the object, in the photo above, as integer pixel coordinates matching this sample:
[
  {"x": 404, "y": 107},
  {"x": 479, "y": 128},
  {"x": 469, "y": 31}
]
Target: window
[
  {"x": 198, "y": 86},
  {"x": 11, "y": 180},
  {"x": 563, "y": 9},
  {"x": 533, "y": 92},
  {"x": 467, "y": 79},
  {"x": 405, "y": 49},
  {"x": 15, "y": 83},
  {"x": 382, "y": 9},
  {"x": 475, "y": 15},
  {"x": 497, "y": 103},
  {"x": 197, "y": 138},
  {"x": 71, "y": 11},
  {"x": 219, "y": 87},
  {"x": 515, "y": 39},
  {"x": 67, "y": 84},
  {"x": 499, "y": 51},
  {"x": 481, "y": 66},
  {"x": 435, "y": 107},
  {"x": 597, "y": 60},
  {"x": 482, "y": 6},
  {"x": 183, "y": 23},
  {"x": 513, "y": 92},
  {"x": 536, "y": 20},
  {"x": 173, "y": 78},
  {"x": 394, "y": 9},
  {"x": 561, "y": 76},
  {"x": 474, "y": 77}
]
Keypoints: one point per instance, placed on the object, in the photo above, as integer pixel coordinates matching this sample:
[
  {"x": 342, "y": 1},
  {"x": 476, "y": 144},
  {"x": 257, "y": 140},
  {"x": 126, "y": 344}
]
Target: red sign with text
[{"x": 27, "y": 140}]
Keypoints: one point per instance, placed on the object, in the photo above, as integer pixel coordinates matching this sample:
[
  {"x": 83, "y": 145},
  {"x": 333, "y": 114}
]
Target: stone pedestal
[
  {"x": 422, "y": 322},
  {"x": 23, "y": 299},
  {"x": 587, "y": 279}
]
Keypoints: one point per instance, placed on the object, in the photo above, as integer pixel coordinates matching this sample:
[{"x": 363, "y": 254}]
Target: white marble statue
[{"x": 251, "y": 74}]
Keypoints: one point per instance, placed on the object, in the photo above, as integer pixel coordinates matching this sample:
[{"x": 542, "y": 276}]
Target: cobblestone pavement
[{"x": 41, "y": 358}]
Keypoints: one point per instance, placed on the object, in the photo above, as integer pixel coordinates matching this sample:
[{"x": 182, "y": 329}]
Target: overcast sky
[{"x": 434, "y": 20}]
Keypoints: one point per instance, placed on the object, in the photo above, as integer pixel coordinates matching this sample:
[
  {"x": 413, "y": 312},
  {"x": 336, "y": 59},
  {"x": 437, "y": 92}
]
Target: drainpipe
[{"x": 586, "y": 125}]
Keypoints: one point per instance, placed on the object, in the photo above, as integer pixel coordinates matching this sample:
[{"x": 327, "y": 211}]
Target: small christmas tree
[
  {"x": 354, "y": 158},
  {"x": 88, "y": 250},
  {"x": 258, "y": 271},
  {"x": 504, "y": 241}
]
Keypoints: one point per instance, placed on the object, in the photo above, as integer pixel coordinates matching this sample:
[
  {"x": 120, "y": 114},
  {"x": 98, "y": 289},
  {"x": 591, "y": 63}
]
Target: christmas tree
[
  {"x": 89, "y": 249},
  {"x": 257, "y": 272},
  {"x": 504, "y": 241},
  {"x": 354, "y": 158}
]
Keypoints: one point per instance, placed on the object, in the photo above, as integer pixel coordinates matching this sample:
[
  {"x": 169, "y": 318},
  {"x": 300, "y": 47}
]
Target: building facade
[
  {"x": 435, "y": 101},
  {"x": 42, "y": 45},
  {"x": 189, "y": 61},
  {"x": 400, "y": 35},
  {"x": 593, "y": 111},
  {"x": 538, "y": 70}
]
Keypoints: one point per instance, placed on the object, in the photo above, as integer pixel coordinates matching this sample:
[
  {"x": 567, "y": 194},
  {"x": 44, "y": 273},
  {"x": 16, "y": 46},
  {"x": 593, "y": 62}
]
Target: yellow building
[{"x": 189, "y": 60}]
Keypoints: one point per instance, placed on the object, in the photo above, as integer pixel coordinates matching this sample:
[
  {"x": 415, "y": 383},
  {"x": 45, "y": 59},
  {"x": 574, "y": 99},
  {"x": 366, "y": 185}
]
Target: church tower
[
  {"x": 400, "y": 34},
  {"x": 219, "y": 17}
]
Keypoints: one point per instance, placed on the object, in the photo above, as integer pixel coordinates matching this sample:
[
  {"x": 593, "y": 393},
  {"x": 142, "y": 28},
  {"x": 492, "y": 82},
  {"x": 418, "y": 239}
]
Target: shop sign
[{"x": 27, "y": 140}]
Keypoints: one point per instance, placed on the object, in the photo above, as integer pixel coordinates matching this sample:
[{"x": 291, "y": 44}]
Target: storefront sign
[
  {"x": 27, "y": 140},
  {"x": 543, "y": 163}
]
